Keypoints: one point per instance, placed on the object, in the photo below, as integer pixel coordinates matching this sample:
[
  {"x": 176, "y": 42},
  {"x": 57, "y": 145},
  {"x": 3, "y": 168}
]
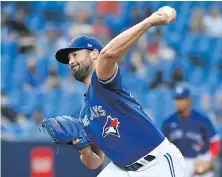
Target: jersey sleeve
[
  {"x": 212, "y": 138},
  {"x": 115, "y": 82},
  {"x": 165, "y": 128},
  {"x": 210, "y": 131}
]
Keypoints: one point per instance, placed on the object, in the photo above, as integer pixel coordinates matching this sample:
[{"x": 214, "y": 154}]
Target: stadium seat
[
  {"x": 6, "y": 73},
  {"x": 10, "y": 48},
  {"x": 50, "y": 102},
  {"x": 15, "y": 98},
  {"x": 197, "y": 76},
  {"x": 30, "y": 101},
  {"x": 174, "y": 39},
  {"x": 20, "y": 72},
  {"x": 190, "y": 40},
  {"x": 35, "y": 22},
  {"x": 70, "y": 103}
]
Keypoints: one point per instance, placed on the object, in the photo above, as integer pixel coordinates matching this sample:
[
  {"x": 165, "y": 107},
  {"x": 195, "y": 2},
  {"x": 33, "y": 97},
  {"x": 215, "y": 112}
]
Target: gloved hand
[{"x": 67, "y": 131}]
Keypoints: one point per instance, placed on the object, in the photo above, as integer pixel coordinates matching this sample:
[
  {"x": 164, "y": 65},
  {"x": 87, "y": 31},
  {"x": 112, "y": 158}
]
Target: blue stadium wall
[{"x": 15, "y": 158}]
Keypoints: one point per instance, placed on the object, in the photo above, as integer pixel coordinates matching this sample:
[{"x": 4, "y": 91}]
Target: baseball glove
[{"x": 65, "y": 130}]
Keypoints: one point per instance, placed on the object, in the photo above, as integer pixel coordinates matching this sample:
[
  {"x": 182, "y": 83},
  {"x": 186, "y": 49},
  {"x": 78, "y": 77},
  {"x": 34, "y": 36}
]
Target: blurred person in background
[
  {"x": 100, "y": 30},
  {"x": 31, "y": 128},
  {"x": 16, "y": 130},
  {"x": 50, "y": 40},
  {"x": 153, "y": 47},
  {"x": 137, "y": 64},
  {"x": 197, "y": 21},
  {"x": 213, "y": 22},
  {"x": 108, "y": 7},
  {"x": 194, "y": 134},
  {"x": 197, "y": 61},
  {"x": 17, "y": 25},
  {"x": 7, "y": 130},
  {"x": 33, "y": 79},
  {"x": 137, "y": 15},
  {"x": 158, "y": 48},
  {"x": 158, "y": 81},
  {"x": 6, "y": 111},
  {"x": 80, "y": 24},
  {"x": 53, "y": 80},
  {"x": 177, "y": 77},
  {"x": 76, "y": 8},
  {"x": 20, "y": 32}
]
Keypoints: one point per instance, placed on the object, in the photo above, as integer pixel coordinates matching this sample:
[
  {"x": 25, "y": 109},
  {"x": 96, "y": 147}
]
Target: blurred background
[{"x": 34, "y": 86}]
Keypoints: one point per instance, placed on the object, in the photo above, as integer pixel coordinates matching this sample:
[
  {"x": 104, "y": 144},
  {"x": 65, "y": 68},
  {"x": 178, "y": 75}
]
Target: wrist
[
  {"x": 148, "y": 22},
  {"x": 86, "y": 151}
]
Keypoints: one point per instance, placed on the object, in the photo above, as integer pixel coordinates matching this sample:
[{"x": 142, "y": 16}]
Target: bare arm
[
  {"x": 92, "y": 156},
  {"x": 117, "y": 47}
]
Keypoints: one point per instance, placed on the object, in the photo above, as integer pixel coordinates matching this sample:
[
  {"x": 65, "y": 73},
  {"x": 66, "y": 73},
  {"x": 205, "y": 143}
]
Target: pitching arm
[
  {"x": 92, "y": 156},
  {"x": 121, "y": 44}
]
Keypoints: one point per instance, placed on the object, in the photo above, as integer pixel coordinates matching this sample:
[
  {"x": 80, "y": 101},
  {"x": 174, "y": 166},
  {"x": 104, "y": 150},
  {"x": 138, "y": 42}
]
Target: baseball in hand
[{"x": 170, "y": 12}]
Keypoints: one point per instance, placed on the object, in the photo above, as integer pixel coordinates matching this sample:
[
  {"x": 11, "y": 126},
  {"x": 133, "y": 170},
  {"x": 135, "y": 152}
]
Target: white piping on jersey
[
  {"x": 112, "y": 78},
  {"x": 215, "y": 138}
]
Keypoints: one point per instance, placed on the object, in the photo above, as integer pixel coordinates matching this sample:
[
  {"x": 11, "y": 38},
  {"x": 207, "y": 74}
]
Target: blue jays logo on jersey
[{"x": 111, "y": 127}]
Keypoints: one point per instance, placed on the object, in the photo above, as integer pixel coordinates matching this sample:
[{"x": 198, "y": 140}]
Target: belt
[{"x": 137, "y": 165}]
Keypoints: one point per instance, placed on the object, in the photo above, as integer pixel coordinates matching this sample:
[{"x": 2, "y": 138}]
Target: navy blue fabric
[
  {"x": 170, "y": 166},
  {"x": 171, "y": 160},
  {"x": 81, "y": 42},
  {"x": 116, "y": 122},
  {"x": 192, "y": 135}
]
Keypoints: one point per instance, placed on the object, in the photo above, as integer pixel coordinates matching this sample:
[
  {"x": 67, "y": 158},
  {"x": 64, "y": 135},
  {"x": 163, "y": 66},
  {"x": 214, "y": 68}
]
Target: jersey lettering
[{"x": 85, "y": 121}]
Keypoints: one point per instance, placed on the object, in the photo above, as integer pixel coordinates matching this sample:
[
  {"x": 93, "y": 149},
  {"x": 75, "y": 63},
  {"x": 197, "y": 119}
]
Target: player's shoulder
[
  {"x": 113, "y": 78},
  {"x": 199, "y": 116},
  {"x": 171, "y": 118}
]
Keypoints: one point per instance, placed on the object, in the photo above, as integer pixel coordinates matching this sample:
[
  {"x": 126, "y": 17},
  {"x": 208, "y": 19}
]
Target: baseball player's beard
[
  {"x": 180, "y": 112},
  {"x": 83, "y": 72}
]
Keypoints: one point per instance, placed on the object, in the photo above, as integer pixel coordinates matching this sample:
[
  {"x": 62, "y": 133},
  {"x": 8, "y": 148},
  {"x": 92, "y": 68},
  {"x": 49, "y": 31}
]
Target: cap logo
[
  {"x": 89, "y": 45},
  {"x": 179, "y": 90},
  {"x": 70, "y": 43}
]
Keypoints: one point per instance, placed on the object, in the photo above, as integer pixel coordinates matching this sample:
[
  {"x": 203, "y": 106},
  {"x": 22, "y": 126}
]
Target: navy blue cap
[
  {"x": 81, "y": 42},
  {"x": 181, "y": 91}
]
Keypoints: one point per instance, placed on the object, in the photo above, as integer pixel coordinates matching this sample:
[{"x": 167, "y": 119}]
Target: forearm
[
  {"x": 90, "y": 158},
  {"x": 117, "y": 47}
]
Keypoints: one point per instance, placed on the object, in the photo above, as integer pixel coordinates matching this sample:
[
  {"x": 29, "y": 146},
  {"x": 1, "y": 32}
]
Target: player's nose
[{"x": 71, "y": 61}]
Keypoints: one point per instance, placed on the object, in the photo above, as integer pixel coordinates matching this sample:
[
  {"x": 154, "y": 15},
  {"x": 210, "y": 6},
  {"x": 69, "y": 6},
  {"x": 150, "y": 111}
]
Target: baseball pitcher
[{"x": 112, "y": 122}]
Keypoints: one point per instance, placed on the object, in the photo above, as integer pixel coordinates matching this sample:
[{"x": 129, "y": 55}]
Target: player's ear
[{"x": 94, "y": 54}]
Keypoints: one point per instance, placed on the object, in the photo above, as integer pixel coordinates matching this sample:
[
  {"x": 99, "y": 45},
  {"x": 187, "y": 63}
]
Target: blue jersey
[
  {"x": 191, "y": 135},
  {"x": 116, "y": 122}
]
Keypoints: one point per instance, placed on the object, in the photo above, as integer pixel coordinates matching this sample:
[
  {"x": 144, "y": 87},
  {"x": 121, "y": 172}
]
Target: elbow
[{"x": 108, "y": 53}]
